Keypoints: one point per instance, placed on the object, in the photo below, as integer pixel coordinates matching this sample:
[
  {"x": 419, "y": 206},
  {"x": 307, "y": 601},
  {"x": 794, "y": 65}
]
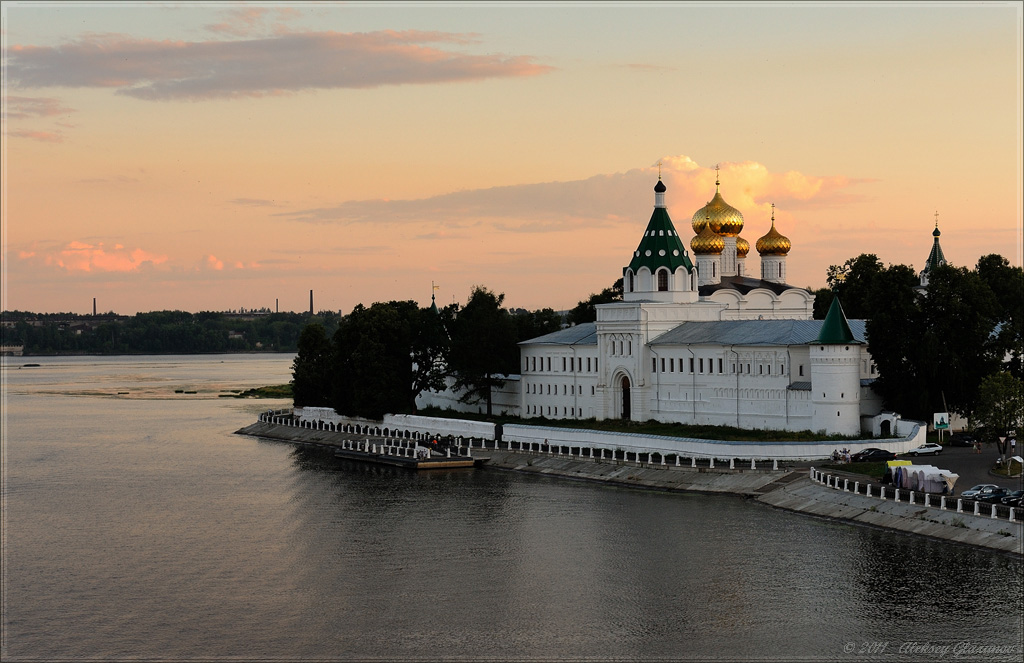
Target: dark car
[
  {"x": 872, "y": 455},
  {"x": 992, "y": 495},
  {"x": 962, "y": 439},
  {"x": 1012, "y": 498}
]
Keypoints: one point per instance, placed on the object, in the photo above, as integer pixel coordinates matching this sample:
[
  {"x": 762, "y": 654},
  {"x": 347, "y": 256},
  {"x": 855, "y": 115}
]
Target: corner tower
[
  {"x": 835, "y": 375},
  {"x": 661, "y": 270}
]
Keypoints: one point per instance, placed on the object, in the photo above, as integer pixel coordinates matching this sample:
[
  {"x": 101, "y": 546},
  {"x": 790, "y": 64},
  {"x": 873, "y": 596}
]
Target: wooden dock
[{"x": 432, "y": 463}]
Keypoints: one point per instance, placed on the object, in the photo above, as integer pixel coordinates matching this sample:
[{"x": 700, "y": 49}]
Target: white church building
[{"x": 700, "y": 340}]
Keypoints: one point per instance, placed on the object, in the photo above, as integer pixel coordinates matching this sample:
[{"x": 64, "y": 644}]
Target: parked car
[
  {"x": 972, "y": 492},
  {"x": 962, "y": 439},
  {"x": 926, "y": 449},
  {"x": 872, "y": 455},
  {"x": 1013, "y": 498},
  {"x": 992, "y": 495}
]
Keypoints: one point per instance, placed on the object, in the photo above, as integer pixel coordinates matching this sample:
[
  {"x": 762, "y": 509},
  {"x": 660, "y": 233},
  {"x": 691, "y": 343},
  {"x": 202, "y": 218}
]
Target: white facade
[{"x": 702, "y": 348}]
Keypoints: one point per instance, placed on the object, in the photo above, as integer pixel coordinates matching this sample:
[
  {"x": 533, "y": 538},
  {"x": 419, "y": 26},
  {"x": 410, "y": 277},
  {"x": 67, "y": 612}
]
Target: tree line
[
  {"x": 158, "y": 332},
  {"x": 380, "y": 358},
  {"x": 955, "y": 346}
]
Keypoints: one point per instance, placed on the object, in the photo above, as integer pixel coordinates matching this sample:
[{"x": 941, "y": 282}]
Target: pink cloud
[
  {"x": 601, "y": 200},
  {"x": 279, "y": 64},
  {"x": 23, "y": 107},
  {"x": 245, "y": 21},
  {"x": 79, "y": 256},
  {"x": 41, "y": 136}
]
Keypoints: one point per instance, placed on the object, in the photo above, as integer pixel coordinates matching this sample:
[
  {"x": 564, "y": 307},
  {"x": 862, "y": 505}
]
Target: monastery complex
[{"x": 699, "y": 339}]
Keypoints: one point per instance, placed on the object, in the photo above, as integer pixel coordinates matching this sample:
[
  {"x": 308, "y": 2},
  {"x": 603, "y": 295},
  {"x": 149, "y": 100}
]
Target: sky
[{"x": 214, "y": 157}]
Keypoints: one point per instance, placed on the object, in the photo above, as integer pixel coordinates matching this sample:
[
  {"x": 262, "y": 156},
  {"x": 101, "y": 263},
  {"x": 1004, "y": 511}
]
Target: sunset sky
[{"x": 223, "y": 156}]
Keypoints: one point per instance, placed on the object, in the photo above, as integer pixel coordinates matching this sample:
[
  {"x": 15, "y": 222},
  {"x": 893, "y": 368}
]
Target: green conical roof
[
  {"x": 935, "y": 257},
  {"x": 660, "y": 246},
  {"x": 835, "y": 330}
]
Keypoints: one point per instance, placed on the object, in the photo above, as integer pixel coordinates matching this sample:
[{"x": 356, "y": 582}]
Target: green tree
[
  {"x": 311, "y": 368},
  {"x": 1007, "y": 284},
  {"x": 483, "y": 346},
  {"x": 584, "y": 311},
  {"x": 1000, "y": 404},
  {"x": 853, "y": 282}
]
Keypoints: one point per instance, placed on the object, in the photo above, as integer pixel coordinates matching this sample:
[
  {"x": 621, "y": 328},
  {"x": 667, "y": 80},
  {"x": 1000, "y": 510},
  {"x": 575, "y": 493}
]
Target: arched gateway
[{"x": 625, "y": 398}]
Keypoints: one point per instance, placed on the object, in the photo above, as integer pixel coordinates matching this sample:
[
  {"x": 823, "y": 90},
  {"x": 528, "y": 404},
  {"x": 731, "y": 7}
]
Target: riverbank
[{"x": 787, "y": 488}]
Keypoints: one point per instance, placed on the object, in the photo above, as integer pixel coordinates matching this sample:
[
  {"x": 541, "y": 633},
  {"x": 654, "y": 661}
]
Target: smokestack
[
  {"x": 276, "y": 304},
  {"x": 94, "y": 307},
  {"x": 311, "y": 302}
]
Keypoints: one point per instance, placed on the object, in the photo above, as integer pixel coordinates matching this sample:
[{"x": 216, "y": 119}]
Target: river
[{"x": 137, "y": 525}]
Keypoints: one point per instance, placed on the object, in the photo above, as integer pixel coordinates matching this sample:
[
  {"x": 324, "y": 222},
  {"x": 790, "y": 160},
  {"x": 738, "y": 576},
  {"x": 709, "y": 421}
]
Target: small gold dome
[
  {"x": 724, "y": 219},
  {"x": 707, "y": 242},
  {"x": 742, "y": 247},
  {"x": 774, "y": 243}
]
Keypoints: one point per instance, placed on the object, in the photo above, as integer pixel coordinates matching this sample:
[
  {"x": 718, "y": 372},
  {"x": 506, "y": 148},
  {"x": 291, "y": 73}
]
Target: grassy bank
[{"x": 272, "y": 391}]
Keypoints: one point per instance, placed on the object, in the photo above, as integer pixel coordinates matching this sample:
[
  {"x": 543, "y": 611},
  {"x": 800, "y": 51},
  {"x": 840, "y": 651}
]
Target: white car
[{"x": 925, "y": 449}]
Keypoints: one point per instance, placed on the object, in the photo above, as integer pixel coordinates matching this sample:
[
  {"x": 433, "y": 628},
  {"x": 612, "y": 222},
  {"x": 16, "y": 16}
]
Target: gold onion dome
[
  {"x": 707, "y": 242},
  {"x": 774, "y": 243},
  {"x": 742, "y": 247},
  {"x": 724, "y": 218}
]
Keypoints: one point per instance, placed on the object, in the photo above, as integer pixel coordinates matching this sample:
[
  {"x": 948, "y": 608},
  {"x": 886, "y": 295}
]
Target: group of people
[{"x": 841, "y": 456}]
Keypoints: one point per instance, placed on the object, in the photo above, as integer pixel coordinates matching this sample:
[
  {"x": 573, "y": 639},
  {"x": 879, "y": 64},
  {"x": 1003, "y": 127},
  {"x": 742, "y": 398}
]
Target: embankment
[{"x": 786, "y": 488}]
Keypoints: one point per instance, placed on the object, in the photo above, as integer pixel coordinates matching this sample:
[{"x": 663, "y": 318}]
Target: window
[
  {"x": 760, "y": 369},
  {"x": 654, "y": 365},
  {"x": 691, "y": 364},
  {"x": 662, "y": 280},
  {"x": 631, "y": 282},
  {"x": 801, "y": 370},
  {"x": 720, "y": 366},
  {"x": 588, "y": 365},
  {"x": 564, "y": 390},
  {"x": 671, "y": 364},
  {"x": 592, "y": 392},
  {"x": 629, "y": 347},
  {"x": 702, "y": 364},
  {"x": 549, "y": 363},
  {"x": 782, "y": 369},
  {"x": 662, "y": 364},
  {"x": 563, "y": 364}
]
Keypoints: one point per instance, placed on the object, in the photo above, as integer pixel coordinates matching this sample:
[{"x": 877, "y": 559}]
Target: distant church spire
[{"x": 935, "y": 256}]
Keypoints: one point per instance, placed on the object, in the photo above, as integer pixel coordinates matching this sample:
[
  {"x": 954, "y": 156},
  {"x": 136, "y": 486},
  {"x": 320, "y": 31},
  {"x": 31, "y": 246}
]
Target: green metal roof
[
  {"x": 835, "y": 330},
  {"x": 935, "y": 257},
  {"x": 660, "y": 246}
]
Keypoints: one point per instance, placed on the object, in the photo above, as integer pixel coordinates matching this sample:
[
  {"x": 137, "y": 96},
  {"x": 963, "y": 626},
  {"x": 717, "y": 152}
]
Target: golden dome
[
  {"x": 707, "y": 242},
  {"x": 724, "y": 218},
  {"x": 742, "y": 247},
  {"x": 774, "y": 243}
]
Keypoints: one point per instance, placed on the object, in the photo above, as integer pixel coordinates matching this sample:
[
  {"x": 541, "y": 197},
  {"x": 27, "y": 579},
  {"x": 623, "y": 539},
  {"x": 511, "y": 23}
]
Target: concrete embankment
[{"x": 785, "y": 488}]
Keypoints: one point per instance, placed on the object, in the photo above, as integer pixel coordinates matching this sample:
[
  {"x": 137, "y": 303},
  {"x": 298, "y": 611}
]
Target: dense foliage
[
  {"x": 382, "y": 357},
  {"x": 934, "y": 346},
  {"x": 159, "y": 332}
]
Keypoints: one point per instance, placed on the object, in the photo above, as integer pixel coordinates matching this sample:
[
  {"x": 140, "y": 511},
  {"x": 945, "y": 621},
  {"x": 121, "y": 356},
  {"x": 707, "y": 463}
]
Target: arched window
[
  {"x": 662, "y": 280},
  {"x": 632, "y": 283}
]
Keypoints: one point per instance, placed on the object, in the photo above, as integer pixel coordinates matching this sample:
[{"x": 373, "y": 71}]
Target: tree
[
  {"x": 1007, "y": 284},
  {"x": 585, "y": 311},
  {"x": 1000, "y": 404},
  {"x": 483, "y": 346},
  {"x": 311, "y": 368},
  {"x": 853, "y": 282}
]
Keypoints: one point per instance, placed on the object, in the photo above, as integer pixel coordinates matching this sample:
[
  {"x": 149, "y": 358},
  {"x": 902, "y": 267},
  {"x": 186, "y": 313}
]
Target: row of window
[
  {"x": 552, "y": 390},
  {"x": 708, "y": 365},
  {"x": 552, "y": 410},
  {"x": 569, "y": 364}
]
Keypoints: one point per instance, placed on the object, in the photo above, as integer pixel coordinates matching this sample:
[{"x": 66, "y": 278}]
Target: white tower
[{"x": 835, "y": 376}]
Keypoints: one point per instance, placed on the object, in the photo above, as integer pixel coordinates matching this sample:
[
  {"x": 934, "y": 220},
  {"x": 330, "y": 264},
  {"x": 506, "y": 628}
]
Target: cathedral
[{"x": 698, "y": 339}]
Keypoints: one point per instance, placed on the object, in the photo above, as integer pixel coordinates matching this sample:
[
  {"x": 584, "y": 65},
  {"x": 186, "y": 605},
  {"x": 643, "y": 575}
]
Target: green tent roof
[
  {"x": 660, "y": 246},
  {"x": 835, "y": 330},
  {"x": 935, "y": 256}
]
